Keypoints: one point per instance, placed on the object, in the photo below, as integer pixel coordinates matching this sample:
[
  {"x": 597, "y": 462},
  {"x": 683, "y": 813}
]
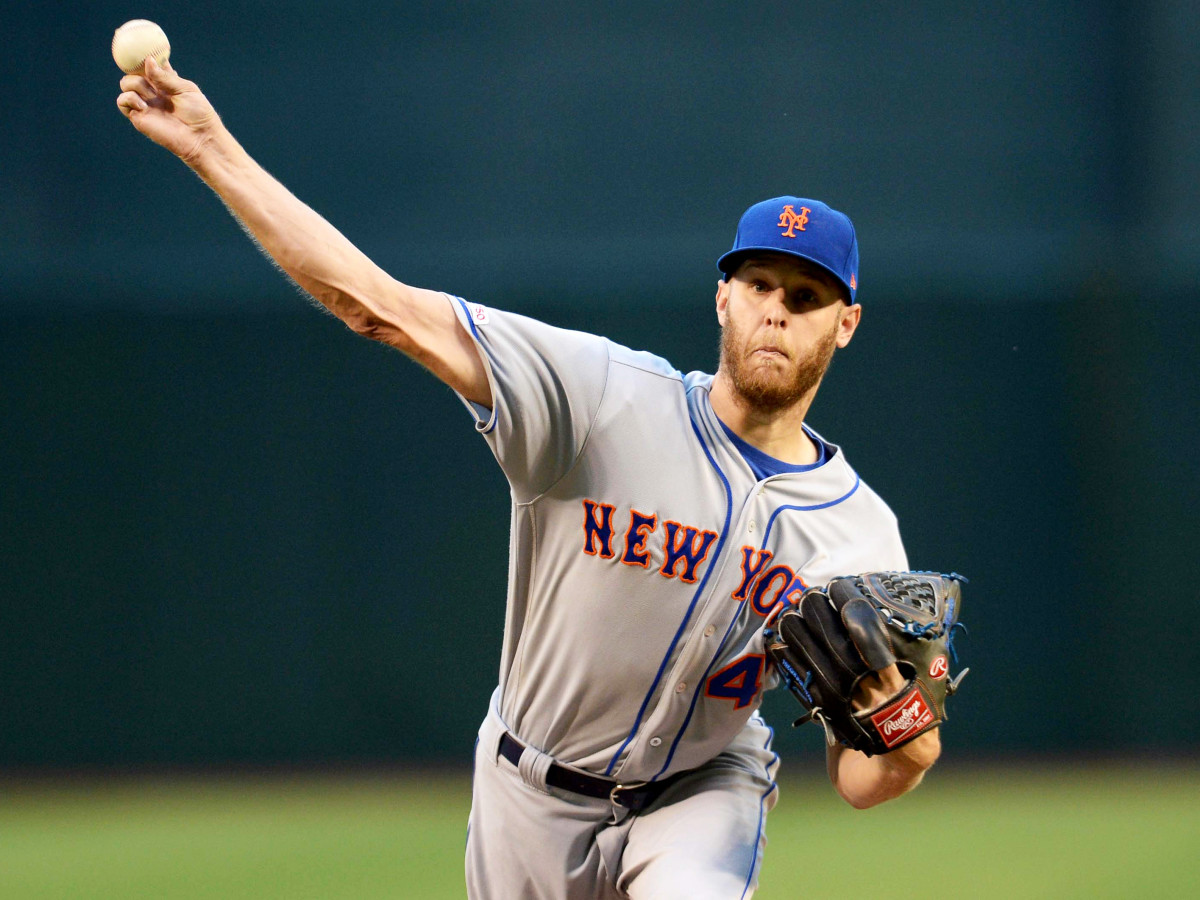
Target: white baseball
[{"x": 137, "y": 39}]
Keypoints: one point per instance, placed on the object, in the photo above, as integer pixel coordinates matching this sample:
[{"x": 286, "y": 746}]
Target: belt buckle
[{"x": 614, "y": 797}]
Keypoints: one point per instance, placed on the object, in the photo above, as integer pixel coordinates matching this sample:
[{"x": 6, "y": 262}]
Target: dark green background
[{"x": 235, "y": 533}]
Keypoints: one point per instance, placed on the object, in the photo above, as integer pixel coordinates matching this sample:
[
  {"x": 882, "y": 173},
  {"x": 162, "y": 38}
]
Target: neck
[{"x": 778, "y": 432}]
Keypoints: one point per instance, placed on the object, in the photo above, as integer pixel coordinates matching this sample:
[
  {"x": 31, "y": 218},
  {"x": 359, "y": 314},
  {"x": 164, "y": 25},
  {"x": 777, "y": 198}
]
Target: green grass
[
  {"x": 1091, "y": 832},
  {"x": 233, "y": 838},
  {"x": 1095, "y": 832}
]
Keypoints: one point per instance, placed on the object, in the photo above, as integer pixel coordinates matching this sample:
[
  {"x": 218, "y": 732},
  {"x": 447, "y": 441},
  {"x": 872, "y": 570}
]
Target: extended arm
[
  {"x": 865, "y": 781},
  {"x": 175, "y": 114}
]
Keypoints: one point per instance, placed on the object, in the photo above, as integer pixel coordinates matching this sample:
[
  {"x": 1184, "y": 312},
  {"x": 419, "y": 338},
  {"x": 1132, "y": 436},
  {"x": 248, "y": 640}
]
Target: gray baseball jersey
[{"x": 645, "y": 560}]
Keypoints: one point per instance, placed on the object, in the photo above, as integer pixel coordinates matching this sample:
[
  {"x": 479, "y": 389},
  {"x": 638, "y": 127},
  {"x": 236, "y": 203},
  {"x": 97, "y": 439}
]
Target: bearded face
[{"x": 769, "y": 373}]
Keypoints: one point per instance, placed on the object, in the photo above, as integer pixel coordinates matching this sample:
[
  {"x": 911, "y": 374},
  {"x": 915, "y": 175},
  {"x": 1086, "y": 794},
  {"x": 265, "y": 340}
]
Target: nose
[{"x": 775, "y": 309}]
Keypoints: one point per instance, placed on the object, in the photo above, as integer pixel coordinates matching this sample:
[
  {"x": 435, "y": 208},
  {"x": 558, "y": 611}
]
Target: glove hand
[{"x": 869, "y": 656}]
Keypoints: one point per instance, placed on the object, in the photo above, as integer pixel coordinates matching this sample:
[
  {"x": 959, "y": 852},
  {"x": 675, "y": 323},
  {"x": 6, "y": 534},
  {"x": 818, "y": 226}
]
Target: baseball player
[{"x": 659, "y": 521}]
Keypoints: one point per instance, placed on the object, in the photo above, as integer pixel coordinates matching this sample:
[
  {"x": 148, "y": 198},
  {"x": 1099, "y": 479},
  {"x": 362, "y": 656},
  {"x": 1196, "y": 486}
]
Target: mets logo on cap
[{"x": 789, "y": 221}]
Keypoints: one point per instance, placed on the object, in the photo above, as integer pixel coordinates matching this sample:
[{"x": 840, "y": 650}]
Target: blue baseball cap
[{"x": 805, "y": 228}]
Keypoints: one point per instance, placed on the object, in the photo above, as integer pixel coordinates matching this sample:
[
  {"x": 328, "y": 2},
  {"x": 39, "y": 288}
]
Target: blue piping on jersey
[
  {"x": 637, "y": 723},
  {"x": 841, "y": 499},
  {"x": 463, "y": 304},
  {"x": 733, "y": 622},
  {"x": 702, "y": 681},
  {"x": 475, "y": 334},
  {"x": 762, "y": 813}
]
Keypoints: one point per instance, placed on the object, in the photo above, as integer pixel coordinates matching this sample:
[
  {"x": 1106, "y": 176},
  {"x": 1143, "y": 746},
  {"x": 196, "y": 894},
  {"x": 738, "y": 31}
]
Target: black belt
[{"x": 634, "y": 797}]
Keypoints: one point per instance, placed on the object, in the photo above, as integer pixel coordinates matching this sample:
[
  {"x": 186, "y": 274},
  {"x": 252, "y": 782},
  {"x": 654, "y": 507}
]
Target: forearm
[
  {"x": 865, "y": 781},
  {"x": 322, "y": 261},
  {"x": 318, "y": 257},
  {"x": 173, "y": 113}
]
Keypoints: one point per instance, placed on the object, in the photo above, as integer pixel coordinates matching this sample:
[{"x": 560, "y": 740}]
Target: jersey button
[
  {"x": 710, "y": 630},
  {"x": 751, "y": 528},
  {"x": 655, "y": 741},
  {"x": 681, "y": 687}
]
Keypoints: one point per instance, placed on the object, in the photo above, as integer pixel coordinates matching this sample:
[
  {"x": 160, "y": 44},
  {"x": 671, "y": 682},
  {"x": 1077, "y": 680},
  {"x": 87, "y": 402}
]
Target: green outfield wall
[{"x": 261, "y": 538}]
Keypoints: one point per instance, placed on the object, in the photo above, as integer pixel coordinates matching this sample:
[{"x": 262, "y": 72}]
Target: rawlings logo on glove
[
  {"x": 855, "y": 626},
  {"x": 898, "y": 725}
]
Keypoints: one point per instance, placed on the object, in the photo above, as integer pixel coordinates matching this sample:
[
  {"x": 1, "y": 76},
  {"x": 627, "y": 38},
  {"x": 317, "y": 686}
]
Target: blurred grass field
[{"x": 1091, "y": 831}]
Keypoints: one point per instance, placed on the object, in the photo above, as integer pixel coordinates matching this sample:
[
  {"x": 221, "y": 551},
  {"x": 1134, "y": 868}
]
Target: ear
[
  {"x": 722, "y": 300},
  {"x": 850, "y": 318}
]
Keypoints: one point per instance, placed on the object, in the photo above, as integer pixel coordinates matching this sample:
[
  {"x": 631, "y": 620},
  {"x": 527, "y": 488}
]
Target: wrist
[
  {"x": 214, "y": 148},
  {"x": 915, "y": 757}
]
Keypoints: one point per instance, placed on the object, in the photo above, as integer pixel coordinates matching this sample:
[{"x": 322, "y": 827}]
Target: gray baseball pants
[{"x": 702, "y": 838}]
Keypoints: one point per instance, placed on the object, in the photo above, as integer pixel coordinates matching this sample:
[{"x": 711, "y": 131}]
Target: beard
[{"x": 769, "y": 385}]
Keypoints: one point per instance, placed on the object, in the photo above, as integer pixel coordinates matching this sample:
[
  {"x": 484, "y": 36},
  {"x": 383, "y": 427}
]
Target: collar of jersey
[{"x": 764, "y": 465}]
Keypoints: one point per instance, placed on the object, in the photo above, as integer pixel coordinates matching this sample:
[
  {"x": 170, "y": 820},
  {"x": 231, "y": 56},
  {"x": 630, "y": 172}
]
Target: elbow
[
  {"x": 864, "y": 795},
  {"x": 366, "y": 324},
  {"x": 887, "y": 776},
  {"x": 863, "y": 802},
  {"x": 355, "y": 314},
  {"x": 886, "y": 788}
]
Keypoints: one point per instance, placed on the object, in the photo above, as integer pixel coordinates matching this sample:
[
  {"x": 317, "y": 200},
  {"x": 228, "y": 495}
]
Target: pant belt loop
[{"x": 533, "y": 768}]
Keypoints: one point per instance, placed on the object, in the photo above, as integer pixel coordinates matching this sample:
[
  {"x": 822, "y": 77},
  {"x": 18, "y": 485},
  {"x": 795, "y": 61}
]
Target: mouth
[{"x": 770, "y": 351}]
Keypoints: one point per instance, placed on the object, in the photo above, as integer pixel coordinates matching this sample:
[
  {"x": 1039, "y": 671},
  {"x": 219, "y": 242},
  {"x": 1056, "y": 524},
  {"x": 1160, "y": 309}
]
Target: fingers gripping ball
[
  {"x": 137, "y": 39},
  {"x": 858, "y": 625}
]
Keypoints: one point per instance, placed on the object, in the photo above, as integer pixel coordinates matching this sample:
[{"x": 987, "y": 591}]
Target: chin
[{"x": 768, "y": 393}]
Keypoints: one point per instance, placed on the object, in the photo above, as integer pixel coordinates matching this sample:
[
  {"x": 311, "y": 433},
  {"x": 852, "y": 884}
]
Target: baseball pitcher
[{"x": 680, "y": 543}]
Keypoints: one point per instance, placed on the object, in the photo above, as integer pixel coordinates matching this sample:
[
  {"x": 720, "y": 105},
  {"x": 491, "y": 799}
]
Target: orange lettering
[{"x": 789, "y": 220}]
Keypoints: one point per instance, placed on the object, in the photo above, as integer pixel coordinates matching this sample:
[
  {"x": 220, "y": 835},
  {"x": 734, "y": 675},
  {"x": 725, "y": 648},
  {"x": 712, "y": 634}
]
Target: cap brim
[{"x": 731, "y": 260}]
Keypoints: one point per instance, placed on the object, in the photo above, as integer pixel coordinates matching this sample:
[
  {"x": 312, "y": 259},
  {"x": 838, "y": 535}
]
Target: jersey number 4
[{"x": 739, "y": 681}]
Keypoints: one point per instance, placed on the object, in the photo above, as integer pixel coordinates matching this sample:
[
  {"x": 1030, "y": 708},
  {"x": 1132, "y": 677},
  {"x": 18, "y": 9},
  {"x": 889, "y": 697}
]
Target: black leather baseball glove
[{"x": 857, "y": 625}]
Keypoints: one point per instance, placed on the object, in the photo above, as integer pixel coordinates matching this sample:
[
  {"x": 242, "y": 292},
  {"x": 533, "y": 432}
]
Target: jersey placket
[{"x": 716, "y": 616}]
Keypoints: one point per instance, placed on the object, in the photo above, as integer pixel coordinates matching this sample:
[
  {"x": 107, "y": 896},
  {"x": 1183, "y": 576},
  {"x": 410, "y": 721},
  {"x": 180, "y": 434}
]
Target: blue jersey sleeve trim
[
  {"x": 637, "y": 723},
  {"x": 482, "y": 413}
]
